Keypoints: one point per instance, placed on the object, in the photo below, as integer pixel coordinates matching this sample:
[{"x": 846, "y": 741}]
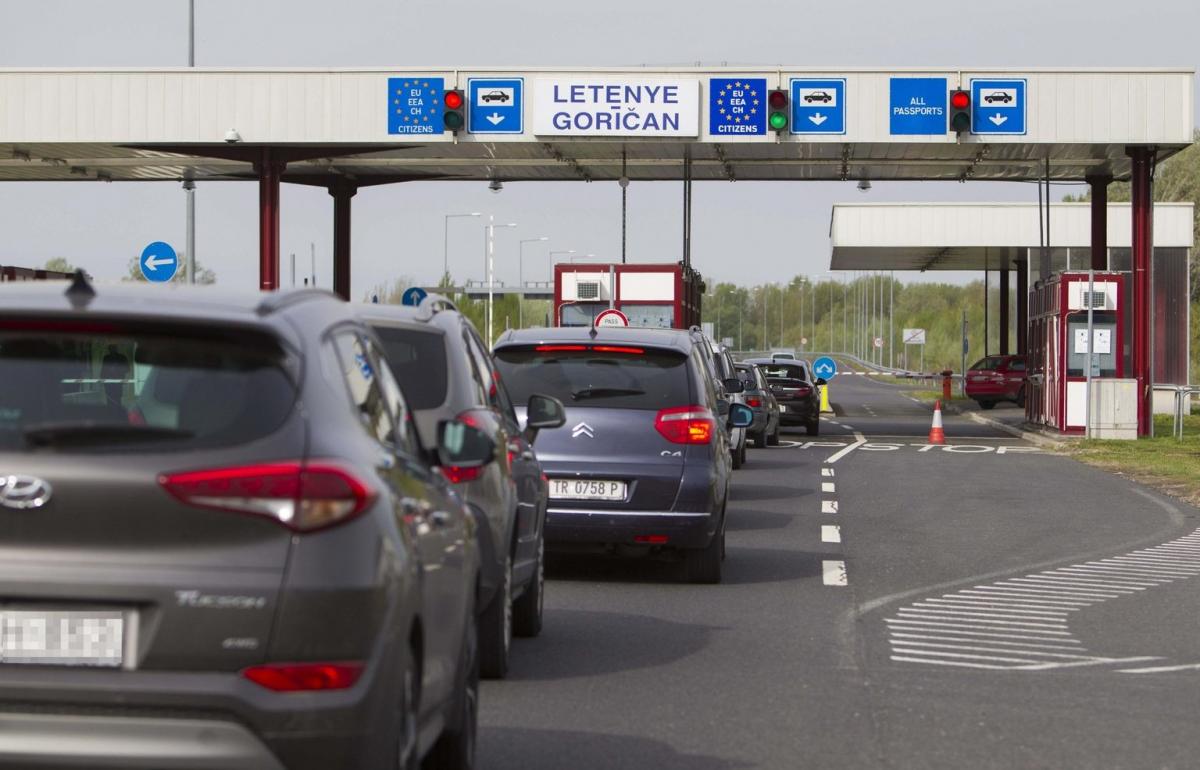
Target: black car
[
  {"x": 643, "y": 464},
  {"x": 1000, "y": 96},
  {"x": 764, "y": 431},
  {"x": 447, "y": 373},
  {"x": 495, "y": 96},
  {"x": 247, "y": 555},
  {"x": 794, "y": 390},
  {"x": 818, "y": 96}
]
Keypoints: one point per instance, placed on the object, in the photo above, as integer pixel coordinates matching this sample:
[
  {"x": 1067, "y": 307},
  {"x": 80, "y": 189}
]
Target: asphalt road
[{"x": 981, "y": 605}]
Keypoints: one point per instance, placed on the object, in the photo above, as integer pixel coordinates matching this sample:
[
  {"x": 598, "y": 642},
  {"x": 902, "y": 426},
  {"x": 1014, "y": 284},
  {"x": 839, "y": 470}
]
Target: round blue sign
[
  {"x": 825, "y": 367},
  {"x": 159, "y": 262},
  {"x": 413, "y": 296}
]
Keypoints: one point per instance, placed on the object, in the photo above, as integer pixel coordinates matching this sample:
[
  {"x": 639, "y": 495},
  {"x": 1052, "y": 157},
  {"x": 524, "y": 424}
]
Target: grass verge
[{"x": 1161, "y": 462}]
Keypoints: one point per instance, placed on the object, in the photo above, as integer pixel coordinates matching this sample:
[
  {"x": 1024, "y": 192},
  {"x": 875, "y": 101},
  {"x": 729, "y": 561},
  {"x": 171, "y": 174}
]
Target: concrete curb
[{"x": 1028, "y": 435}]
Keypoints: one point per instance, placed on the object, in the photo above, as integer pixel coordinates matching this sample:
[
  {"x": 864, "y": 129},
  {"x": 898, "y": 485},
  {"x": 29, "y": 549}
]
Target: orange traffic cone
[{"x": 936, "y": 434}]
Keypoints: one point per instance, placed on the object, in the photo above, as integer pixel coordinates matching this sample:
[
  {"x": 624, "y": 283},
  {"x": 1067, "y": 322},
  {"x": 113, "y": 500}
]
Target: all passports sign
[{"x": 617, "y": 107}]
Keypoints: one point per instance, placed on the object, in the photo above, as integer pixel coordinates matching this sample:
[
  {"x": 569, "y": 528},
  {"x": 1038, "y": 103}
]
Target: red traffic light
[
  {"x": 453, "y": 100},
  {"x": 777, "y": 100},
  {"x": 960, "y": 100}
]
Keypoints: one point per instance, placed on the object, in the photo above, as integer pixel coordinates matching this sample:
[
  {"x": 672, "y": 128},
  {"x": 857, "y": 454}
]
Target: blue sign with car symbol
[
  {"x": 998, "y": 106},
  {"x": 496, "y": 105},
  {"x": 818, "y": 106}
]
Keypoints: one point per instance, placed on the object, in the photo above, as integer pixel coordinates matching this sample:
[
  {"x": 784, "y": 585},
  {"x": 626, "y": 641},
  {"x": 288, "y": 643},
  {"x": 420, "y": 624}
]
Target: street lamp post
[
  {"x": 521, "y": 279},
  {"x": 446, "y": 241},
  {"x": 189, "y": 186},
  {"x": 491, "y": 271},
  {"x": 560, "y": 251}
]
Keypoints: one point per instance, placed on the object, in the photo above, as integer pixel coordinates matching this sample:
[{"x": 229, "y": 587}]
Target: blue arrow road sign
[
  {"x": 737, "y": 106},
  {"x": 159, "y": 262},
  {"x": 818, "y": 106},
  {"x": 998, "y": 106},
  {"x": 496, "y": 105},
  {"x": 825, "y": 367},
  {"x": 413, "y": 296},
  {"x": 415, "y": 105},
  {"x": 917, "y": 106}
]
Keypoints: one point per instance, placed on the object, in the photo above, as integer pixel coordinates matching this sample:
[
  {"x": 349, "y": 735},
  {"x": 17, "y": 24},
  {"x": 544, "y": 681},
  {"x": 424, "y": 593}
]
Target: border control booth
[{"x": 349, "y": 129}]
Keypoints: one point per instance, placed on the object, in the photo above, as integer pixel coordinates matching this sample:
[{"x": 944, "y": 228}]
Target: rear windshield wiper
[
  {"x": 605, "y": 393},
  {"x": 50, "y": 434}
]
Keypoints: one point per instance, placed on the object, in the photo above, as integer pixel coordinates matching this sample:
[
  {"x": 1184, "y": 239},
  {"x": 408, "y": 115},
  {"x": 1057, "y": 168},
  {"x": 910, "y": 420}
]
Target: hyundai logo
[
  {"x": 23, "y": 493},
  {"x": 582, "y": 429}
]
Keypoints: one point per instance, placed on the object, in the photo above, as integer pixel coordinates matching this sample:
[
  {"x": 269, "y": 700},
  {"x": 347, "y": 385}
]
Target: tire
[
  {"x": 407, "y": 751},
  {"x": 759, "y": 439},
  {"x": 814, "y": 427},
  {"x": 1021, "y": 398},
  {"x": 496, "y": 627},
  {"x": 455, "y": 749},
  {"x": 738, "y": 457},
  {"x": 703, "y": 565},
  {"x": 527, "y": 611},
  {"x": 742, "y": 454},
  {"x": 773, "y": 436},
  {"x": 987, "y": 404}
]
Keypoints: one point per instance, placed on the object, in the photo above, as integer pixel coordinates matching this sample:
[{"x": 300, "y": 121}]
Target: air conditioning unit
[{"x": 587, "y": 290}]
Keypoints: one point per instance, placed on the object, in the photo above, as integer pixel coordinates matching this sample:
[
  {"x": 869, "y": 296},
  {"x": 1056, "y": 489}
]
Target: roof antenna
[
  {"x": 592, "y": 331},
  {"x": 80, "y": 292}
]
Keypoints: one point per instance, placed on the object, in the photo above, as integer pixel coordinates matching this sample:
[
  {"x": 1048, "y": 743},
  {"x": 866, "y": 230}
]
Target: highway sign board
[
  {"x": 998, "y": 106},
  {"x": 825, "y": 367},
  {"x": 584, "y": 105},
  {"x": 818, "y": 106},
  {"x": 737, "y": 106},
  {"x": 413, "y": 296},
  {"x": 496, "y": 105},
  {"x": 415, "y": 105},
  {"x": 913, "y": 336},
  {"x": 159, "y": 262},
  {"x": 918, "y": 106},
  {"x": 612, "y": 317}
]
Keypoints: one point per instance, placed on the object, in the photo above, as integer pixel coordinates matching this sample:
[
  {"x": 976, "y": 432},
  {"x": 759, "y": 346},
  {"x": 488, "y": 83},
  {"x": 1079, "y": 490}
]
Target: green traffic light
[
  {"x": 453, "y": 120},
  {"x": 961, "y": 121},
  {"x": 778, "y": 121}
]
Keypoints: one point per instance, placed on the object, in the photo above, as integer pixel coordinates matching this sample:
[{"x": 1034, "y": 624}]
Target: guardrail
[{"x": 1181, "y": 396}]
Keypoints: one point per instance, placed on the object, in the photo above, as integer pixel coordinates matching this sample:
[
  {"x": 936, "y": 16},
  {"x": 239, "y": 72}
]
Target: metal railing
[{"x": 1181, "y": 399}]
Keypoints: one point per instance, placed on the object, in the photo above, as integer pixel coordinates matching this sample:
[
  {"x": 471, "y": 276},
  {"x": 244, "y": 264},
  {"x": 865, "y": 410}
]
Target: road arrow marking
[
  {"x": 156, "y": 262},
  {"x": 495, "y": 118},
  {"x": 998, "y": 119},
  {"x": 818, "y": 118}
]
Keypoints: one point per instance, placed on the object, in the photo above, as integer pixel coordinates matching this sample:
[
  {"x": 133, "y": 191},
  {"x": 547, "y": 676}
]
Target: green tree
[{"x": 59, "y": 265}]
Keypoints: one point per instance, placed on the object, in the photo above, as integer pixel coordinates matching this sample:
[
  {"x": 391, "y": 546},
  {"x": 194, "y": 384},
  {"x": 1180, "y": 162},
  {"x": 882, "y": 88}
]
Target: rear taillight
[
  {"x": 650, "y": 539},
  {"x": 304, "y": 677},
  {"x": 753, "y": 402},
  {"x": 301, "y": 496},
  {"x": 685, "y": 424},
  {"x": 476, "y": 418},
  {"x": 803, "y": 391}
]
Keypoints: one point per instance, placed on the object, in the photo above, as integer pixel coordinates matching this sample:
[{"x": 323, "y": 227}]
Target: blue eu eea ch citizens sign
[
  {"x": 737, "y": 106},
  {"x": 415, "y": 105}
]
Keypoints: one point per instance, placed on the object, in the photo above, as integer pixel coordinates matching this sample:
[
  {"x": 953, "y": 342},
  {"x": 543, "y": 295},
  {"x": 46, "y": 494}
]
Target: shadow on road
[
  {"x": 501, "y": 748},
  {"x": 741, "y": 520},
  {"x": 745, "y": 566},
  {"x": 583, "y": 643},
  {"x": 742, "y": 492}
]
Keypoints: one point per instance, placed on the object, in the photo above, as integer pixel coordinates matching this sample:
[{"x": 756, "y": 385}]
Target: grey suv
[
  {"x": 644, "y": 465},
  {"x": 729, "y": 386},
  {"x": 447, "y": 373},
  {"x": 221, "y": 543}
]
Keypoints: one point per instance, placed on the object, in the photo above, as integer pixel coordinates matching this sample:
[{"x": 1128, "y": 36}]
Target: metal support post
[
  {"x": 1023, "y": 304},
  {"x": 1142, "y": 211},
  {"x": 1090, "y": 363},
  {"x": 269, "y": 171},
  {"x": 342, "y": 191},
  {"x": 1099, "y": 188},
  {"x": 1004, "y": 300}
]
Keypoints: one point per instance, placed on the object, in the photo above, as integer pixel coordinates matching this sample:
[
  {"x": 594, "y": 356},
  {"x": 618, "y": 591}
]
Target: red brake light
[
  {"x": 301, "y": 496},
  {"x": 583, "y": 348},
  {"x": 803, "y": 390},
  {"x": 650, "y": 539},
  {"x": 304, "y": 677},
  {"x": 960, "y": 100},
  {"x": 685, "y": 424},
  {"x": 617, "y": 349},
  {"x": 754, "y": 402},
  {"x": 560, "y": 348}
]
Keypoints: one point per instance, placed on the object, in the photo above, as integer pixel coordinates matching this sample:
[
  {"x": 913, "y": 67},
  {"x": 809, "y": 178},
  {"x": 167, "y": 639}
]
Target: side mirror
[
  {"x": 740, "y": 416},
  {"x": 733, "y": 385},
  {"x": 822, "y": 381},
  {"x": 543, "y": 412},
  {"x": 463, "y": 446}
]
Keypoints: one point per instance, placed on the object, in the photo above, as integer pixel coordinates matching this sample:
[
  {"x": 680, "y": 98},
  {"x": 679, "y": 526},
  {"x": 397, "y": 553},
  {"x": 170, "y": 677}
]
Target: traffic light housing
[
  {"x": 454, "y": 105},
  {"x": 778, "y": 110},
  {"x": 960, "y": 111}
]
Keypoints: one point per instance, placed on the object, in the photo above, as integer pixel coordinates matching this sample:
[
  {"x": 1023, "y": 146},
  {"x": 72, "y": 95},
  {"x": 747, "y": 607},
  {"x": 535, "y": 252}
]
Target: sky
[{"x": 747, "y": 232}]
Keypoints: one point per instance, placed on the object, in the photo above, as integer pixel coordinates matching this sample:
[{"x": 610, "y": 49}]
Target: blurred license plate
[
  {"x": 782, "y": 408},
  {"x": 62, "y": 637},
  {"x": 587, "y": 489}
]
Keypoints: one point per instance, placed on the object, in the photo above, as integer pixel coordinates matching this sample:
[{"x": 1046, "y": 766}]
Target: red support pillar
[
  {"x": 1023, "y": 304},
  {"x": 1099, "y": 185},
  {"x": 342, "y": 191},
  {"x": 1004, "y": 311},
  {"x": 1143, "y": 209},
  {"x": 269, "y": 171}
]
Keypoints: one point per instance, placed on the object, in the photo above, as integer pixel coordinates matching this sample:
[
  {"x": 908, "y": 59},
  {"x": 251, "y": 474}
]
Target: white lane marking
[
  {"x": 827, "y": 471},
  {"x": 1037, "y": 605},
  {"x": 831, "y": 533},
  {"x": 827, "y": 486},
  {"x": 1160, "y": 669},
  {"x": 829, "y": 506},
  {"x": 833, "y": 573},
  {"x": 848, "y": 427},
  {"x": 953, "y": 636},
  {"x": 859, "y": 440}
]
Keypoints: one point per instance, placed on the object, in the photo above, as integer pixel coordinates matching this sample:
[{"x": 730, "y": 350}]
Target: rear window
[
  {"x": 131, "y": 389},
  {"x": 991, "y": 363},
  {"x": 650, "y": 379},
  {"x": 418, "y": 359},
  {"x": 784, "y": 371}
]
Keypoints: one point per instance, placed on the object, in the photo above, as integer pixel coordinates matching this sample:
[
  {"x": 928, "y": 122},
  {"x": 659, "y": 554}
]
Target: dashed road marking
[
  {"x": 827, "y": 471},
  {"x": 833, "y": 573},
  {"x": 829, "y": 506},
  {"x": 827, "y": 487},
  {"x": 831, "y": 533}
]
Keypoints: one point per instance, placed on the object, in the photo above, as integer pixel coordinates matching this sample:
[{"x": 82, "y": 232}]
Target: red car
[{"x": 997, "y": 378}]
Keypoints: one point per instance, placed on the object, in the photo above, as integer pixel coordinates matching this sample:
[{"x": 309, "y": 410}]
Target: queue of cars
[{"x": 281, "y": 531}]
